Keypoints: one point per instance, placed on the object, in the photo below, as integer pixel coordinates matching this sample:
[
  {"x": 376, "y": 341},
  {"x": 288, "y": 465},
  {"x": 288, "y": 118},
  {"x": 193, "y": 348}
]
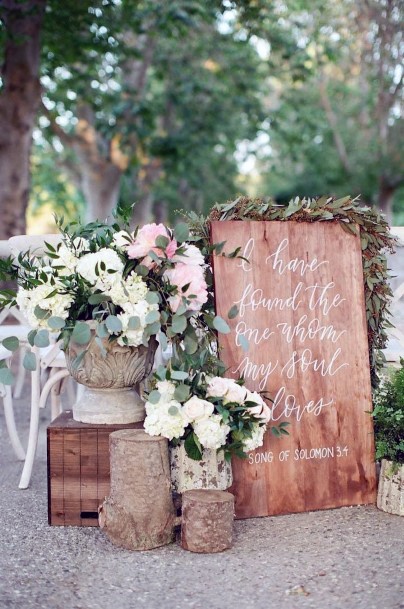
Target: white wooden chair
[
  {"x": 51, "y": 373},
  {"x": 50, "y": 360},
  {"x": 5, "y": 394}
]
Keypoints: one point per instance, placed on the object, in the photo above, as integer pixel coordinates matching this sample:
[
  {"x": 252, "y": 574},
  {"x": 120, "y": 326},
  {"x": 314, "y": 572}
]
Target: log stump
[
  {"x": 207, "y": 520},
  {"x": 139, "y": 513}
]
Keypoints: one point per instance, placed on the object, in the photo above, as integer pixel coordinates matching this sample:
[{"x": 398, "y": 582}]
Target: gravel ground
[
  {"x": 350, "y": 558},
  {"x": 342, "y": 559}
]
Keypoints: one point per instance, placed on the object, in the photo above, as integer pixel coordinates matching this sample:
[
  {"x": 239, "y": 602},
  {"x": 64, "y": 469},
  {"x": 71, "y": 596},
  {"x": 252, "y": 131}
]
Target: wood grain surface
[
  {"x": 301, "y": 308},
  {"x": 78, "y": 469}
]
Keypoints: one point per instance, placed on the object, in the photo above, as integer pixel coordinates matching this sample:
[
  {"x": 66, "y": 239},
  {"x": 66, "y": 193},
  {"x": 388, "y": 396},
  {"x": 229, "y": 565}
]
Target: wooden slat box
[{"x": 78, "y": 469}]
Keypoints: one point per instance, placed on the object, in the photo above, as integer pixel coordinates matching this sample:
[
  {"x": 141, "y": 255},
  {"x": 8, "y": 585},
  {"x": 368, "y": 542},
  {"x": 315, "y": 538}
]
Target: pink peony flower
[
  {"x": 146, "y": 241},
  {"x": 180, "y": 276}
]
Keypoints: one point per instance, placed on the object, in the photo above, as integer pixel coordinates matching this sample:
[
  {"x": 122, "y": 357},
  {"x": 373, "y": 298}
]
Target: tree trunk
[
  {"x": 139, "y": 513},
  {"x": 19, "y": 102},
  {"x": 207, "y": 521},
  {"x": 385, "y": 198}
]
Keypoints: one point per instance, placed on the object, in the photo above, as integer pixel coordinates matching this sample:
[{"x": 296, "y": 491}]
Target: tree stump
[
  {"x": 207, "y": 520},
  {"x": 139, "y": 513}
]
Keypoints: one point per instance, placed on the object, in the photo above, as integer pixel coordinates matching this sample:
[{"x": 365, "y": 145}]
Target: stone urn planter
[
  {"x": 390, "y": 494},
  {"x": 213, "y": 472},
  {"x": 109, "y": 375}
]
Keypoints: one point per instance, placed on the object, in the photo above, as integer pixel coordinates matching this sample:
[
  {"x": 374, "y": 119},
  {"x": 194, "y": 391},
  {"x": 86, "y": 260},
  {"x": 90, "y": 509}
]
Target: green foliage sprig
[
  {"x": 362, "y": 221},
  {"x": 388, "y": 416}
]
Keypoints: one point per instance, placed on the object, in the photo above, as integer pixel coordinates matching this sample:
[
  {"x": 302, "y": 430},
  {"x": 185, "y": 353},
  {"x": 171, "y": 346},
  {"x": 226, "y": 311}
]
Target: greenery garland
[{"x": 353, "y": 218}]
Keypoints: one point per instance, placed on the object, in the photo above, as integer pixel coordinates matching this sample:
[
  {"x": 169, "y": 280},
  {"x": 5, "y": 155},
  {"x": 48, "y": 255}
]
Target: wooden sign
[{"x": 300, "y": 335}]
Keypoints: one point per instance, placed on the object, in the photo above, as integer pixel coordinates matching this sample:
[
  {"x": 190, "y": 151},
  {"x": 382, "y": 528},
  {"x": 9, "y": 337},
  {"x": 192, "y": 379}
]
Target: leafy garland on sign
[{"x": 372, "y": 228}]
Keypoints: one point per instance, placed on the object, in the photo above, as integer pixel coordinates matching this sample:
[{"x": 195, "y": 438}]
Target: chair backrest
[{"x": 34, "y": 243}]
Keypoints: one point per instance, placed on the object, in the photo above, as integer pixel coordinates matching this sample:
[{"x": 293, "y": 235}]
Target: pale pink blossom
[
  {"x": 146, "y": 241},
  {"x": 193, "y": 276},
  {"x": 191, "y": 256}
]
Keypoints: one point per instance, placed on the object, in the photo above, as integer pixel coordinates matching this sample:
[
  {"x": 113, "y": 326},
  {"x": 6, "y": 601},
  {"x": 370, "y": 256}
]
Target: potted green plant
[{"x": 388, "y": 416}]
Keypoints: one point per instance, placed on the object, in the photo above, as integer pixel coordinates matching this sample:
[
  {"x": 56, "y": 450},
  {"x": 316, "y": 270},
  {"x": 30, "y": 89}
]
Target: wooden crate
[{"x": 78, "y": 469}]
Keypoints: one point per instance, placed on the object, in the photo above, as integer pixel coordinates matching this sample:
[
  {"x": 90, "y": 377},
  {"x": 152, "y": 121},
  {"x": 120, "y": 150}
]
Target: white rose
[
  {"x": 217, "y": 387},
  {"x": 256, "y": 440},
  {"x": 122, "y": 239},
  {"x": 211, "y": 432},
  {"x": 88, "y": 263},
  {"x": 235, "y": 393},
  {"x": 196, "y": 409}
]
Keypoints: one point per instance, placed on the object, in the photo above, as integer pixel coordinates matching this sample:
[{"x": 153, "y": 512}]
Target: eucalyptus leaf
[
  {"x": 152, "y": 317},
  {"x": 11, "y": 343},
  {"x": 179, "y": 323},
  {"x": 113, "y": 324},
  {"x": 181, "y": 232},
  {"x": 233, "y": 312},
  {"x": 81, "y": 333},
  {"x": 173, "y": 411},
  {"x": 29, "y": 361},
  {"x": 191, "y": 345},
  {"x": 6, "y": 376},
  {"x": 101, "y": 330},
  {"x": 31, "y": 337},
  {"x": 162, "y": 338},
  {"x": 181, "y": 393},
  {"x": 42, "y": 339},
  {"x": 152, "y": 298},
  {"x": 141, "y": 270},
  {"x": 56, "y": 323},
  {"x": 179, "y": 375},
  {"x": 41, "y": 313},
  {"x": 95, "y": 299},
  {"x": 244, "y": 344},
  {"x": 154, "y": 396},
  {"x": 162, "y": 241},
  {"x": 220, "y": 325},
  {"x": 134, "y": 323},
  {"x": 78, "y": 359}
]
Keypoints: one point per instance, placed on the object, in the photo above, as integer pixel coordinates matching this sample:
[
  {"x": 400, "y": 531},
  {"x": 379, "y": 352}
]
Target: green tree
[
  {"x": 335, "y": 99},
  {"x": 155, "y": 114}
]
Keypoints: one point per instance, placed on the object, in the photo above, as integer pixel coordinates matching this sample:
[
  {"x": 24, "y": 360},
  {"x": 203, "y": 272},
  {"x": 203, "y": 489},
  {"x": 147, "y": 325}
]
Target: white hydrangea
[
  {"x": 256, "y": 440},
  {"x": 211, "y": 432},
  {"x": 67, "y": 259},
  {"x": 87, "y": 264},
  {"x": 140, "y": 310},
  {"x": 131, "y": 290},
  {"x": 166, "y": 390},
  {"x": 165, "y": 419},
  {"x": 57, "y": 305}
]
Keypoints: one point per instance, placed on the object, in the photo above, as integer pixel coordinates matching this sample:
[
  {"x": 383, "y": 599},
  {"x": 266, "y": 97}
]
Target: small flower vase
[
  {"x": 109, "y": 375},
  {"x": 212, "y": 472}
]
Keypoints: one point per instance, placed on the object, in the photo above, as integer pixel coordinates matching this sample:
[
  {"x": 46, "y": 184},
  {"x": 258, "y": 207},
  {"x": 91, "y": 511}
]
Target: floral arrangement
[
  {"x": 130, "y": 284},
  {"x": 208, "y": 412}
]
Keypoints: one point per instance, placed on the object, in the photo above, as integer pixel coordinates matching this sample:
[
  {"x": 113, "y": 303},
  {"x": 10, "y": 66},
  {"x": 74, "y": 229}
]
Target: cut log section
[
  {"x": 139, "y": 513},
  {"x": 207, "y": 521}
]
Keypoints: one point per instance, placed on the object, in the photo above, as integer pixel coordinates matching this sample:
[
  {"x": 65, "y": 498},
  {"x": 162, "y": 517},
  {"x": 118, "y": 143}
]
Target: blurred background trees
[{"x": 180, "y": 104}]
